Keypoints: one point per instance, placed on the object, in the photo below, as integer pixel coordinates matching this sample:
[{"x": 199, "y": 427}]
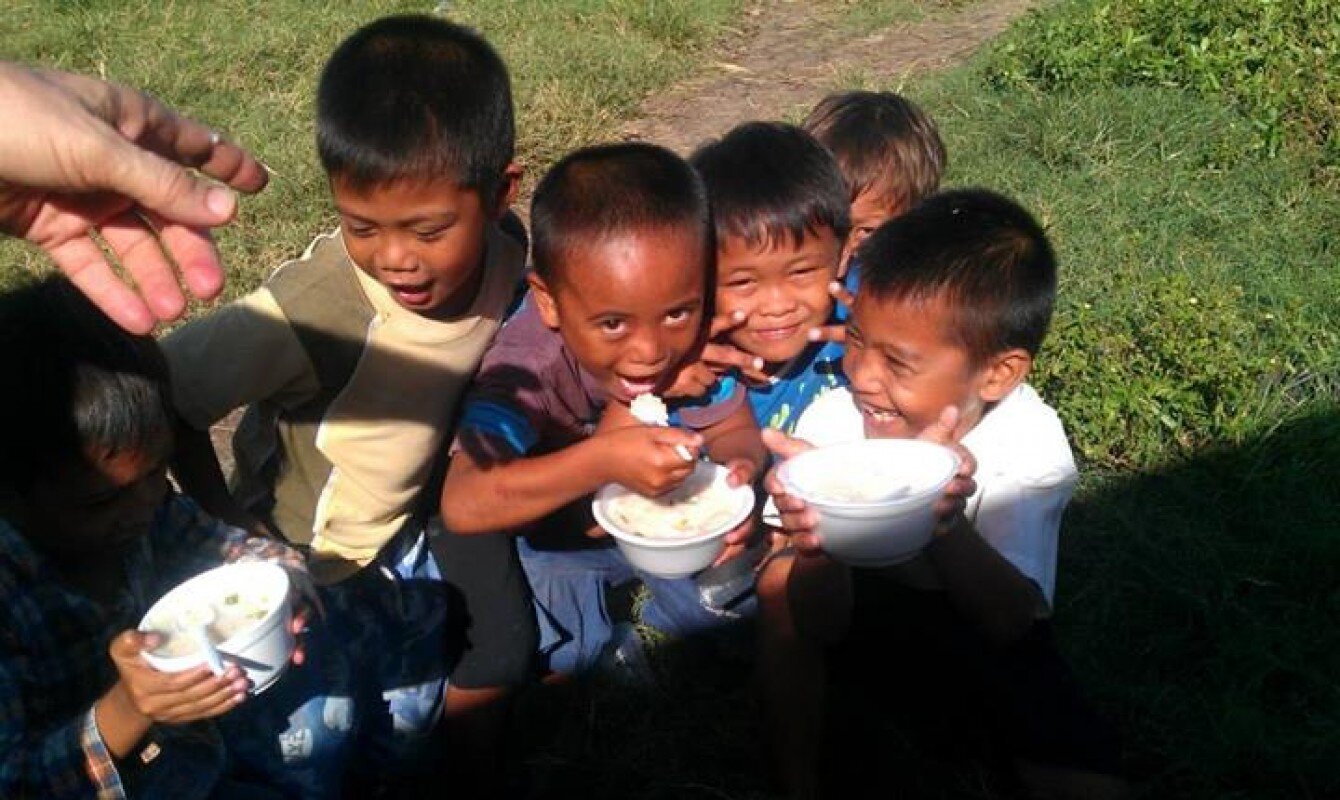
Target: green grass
[{"x": 249, "y": 68}]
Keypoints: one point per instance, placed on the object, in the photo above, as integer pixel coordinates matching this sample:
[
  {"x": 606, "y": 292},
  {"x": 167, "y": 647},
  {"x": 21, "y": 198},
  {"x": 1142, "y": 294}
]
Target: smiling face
[
  {"x": 422, "y": 240},
  {"x": 905, "y": 367},
  {"x": 629, "y": 307},
  {"x": 98, "y": 505},
  {"x": 782, "y": 288}
]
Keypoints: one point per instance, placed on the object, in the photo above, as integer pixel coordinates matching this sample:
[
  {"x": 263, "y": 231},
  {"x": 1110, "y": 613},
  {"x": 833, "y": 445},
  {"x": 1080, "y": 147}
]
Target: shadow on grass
[{"x": 1200, "y": 608}]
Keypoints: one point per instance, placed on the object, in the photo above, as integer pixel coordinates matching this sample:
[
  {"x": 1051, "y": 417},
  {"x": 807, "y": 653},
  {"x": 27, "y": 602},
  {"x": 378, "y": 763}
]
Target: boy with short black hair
[
  {"x": 618, "y": 295},
  {"x": 889, "y": 152},
  {"x": 351, "y": 360},
  {"x": 780, "y": 207},
  {"x": 955, "y": 300},
  {"x": 91, "y": 534}
]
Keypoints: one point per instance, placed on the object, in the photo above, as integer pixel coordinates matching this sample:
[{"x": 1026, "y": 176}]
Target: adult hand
[
  {"x": 81, "y": 156},
  {"x": 834, "y": 333}
]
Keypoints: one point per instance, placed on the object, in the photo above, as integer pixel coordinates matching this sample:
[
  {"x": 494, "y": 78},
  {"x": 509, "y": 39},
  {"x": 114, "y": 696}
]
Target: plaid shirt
[{"x": 54, "y": 664}]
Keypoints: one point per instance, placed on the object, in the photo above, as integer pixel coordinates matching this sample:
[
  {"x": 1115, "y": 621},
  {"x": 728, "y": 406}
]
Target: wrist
[{"x": 119, "y": 722}]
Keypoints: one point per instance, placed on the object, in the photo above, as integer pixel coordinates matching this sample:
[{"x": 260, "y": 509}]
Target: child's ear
[
  {"x": 508, "y": 188},
  {"x": 544, "y": 300},
  {"x": 1003, "y": 372}
]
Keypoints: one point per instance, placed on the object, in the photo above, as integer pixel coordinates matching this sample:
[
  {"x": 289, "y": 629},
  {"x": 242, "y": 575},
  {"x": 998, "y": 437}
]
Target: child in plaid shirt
[{"x": 90, "y": 534}]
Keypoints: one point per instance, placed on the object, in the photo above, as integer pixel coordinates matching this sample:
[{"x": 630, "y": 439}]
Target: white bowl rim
[
  {"x": 263, "y": 622},
  {"x": 915, "y": 498},
  {"x": 745, "y": 500}
]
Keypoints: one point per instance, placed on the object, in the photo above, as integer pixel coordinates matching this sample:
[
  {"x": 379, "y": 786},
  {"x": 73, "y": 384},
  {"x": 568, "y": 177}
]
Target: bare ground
[{"x": 790, "y": 54}]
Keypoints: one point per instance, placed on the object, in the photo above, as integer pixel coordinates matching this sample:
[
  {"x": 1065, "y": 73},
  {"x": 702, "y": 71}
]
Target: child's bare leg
[{"x": 804, "y": 604}]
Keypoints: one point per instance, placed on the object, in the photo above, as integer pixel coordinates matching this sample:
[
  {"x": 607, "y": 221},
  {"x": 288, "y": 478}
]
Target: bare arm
[
  {"x": 485, "y": 497},
  {"x": 982, "y": 584},
  {"x": 735, "y": 442}
]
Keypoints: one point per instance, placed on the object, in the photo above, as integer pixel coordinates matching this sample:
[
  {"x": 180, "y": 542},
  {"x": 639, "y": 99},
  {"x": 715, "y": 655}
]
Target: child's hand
[
  {"x": 718, "y": 357},
  {"x": 173, "y": 698},
  {"x": 799, "y": 521},
  {"x": 645, "y": 458},
  {"x": 741, "y": 473},
  {"x": 955, "y": 498},
  {"x": 838, "y": 332}
]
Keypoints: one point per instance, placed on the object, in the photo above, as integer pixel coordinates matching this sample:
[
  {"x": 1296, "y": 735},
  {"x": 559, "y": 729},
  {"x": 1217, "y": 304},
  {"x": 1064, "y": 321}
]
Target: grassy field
[
  {"x": 249, "y": 67},
  {"x": 1182, "y": 154}
]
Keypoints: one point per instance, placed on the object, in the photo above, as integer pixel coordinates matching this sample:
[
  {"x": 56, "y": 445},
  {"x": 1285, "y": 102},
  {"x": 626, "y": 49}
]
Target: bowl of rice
[
  {"x": 249, "y": 615},
  {"x": 875, "y": 497},
  {"x": 680, "y": 532}
]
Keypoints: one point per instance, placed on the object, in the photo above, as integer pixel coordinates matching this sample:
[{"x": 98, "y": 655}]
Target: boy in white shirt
[{"x": 955, "y": 300}]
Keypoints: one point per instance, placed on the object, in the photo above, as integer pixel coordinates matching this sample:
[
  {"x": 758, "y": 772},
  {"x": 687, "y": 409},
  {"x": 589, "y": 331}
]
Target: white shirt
[{"x": 1025, "y": 473}]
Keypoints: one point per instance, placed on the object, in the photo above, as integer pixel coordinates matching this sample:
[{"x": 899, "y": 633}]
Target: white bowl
[
  {"x": 261, "y": 647},
  {"x": 668, "y": 554},
  {"x": 875, "y": 497}
]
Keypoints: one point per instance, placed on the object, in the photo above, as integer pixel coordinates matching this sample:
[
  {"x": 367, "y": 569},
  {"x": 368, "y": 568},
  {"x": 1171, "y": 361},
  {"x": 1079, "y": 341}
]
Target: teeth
[{"x": 879, "y": 415}]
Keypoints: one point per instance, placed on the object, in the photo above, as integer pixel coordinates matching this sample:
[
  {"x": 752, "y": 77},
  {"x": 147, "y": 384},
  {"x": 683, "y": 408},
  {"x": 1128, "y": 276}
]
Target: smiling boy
[
  {"x": 351, "y": 360},
  {"x": 622, "y": 238},
  {"x": 953, "y": 308},
  {"x": 780, "y": 210}
]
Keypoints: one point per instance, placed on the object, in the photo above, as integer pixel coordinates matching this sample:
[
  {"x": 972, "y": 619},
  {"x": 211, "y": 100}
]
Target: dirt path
[
  {"x": 790, "y": 53},
  {"x": 784, "y": 57}
]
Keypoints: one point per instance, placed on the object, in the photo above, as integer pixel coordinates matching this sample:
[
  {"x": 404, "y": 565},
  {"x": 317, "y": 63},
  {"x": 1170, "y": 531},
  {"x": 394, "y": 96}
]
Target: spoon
[
  {"x": 195, "y": 622},
  {"x": 650, "y": 410}
]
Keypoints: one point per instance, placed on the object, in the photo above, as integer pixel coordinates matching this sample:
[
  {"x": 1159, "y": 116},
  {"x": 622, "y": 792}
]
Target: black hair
[
  {"x": 769, "y": 181},
  {"x": 600, "y": 191},
  {"x": 881, "y": 141},
  {"x": 71, "y": 380},
  {"x": 415, "y": 97},
  {"x": 983, "y": 254}
]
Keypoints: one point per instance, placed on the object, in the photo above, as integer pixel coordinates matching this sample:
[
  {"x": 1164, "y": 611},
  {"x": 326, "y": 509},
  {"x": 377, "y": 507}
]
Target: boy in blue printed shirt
[
  {"x": 780, "y": 207},
  {"x": 90, "y": 535},
  {"x": 622, "y": 239}
]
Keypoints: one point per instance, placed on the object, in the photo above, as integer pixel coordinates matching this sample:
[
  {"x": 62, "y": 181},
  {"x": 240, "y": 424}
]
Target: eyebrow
[{"x": 443, "y": 217}]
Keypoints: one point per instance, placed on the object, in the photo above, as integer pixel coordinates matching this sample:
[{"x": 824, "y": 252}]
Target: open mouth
[
  {"x": 878, "y": 414},
  {"x": 645, "y": 384},
  {"x": 418, "y": 294}
]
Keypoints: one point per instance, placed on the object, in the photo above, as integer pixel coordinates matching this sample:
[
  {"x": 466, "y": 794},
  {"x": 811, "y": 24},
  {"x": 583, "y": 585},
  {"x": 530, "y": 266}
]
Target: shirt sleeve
[
  {"x": 67, "y": 761},
  {"x": 510, "y": 398},
  {"x": 726, "y": 395},
  {"x": 241, "y": 353}
]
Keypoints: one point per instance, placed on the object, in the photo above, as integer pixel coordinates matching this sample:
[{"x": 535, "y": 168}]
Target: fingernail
[
  {"x": 834, "y": 287},
  {"x": 813, "y": 334},
  {"x": 221, "y": 201},
  {"x": 758, "y": 363},
  {"x": 738, "y": 316}
]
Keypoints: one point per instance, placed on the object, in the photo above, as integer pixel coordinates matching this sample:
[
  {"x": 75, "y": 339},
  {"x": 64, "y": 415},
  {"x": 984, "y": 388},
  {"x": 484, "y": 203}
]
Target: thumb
[
  {"x": 163, "y": 186},
  {"x": 130, "y": 643},
  {"x": 941, "y": 431},
  {"x": 784, "y": 446}
]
